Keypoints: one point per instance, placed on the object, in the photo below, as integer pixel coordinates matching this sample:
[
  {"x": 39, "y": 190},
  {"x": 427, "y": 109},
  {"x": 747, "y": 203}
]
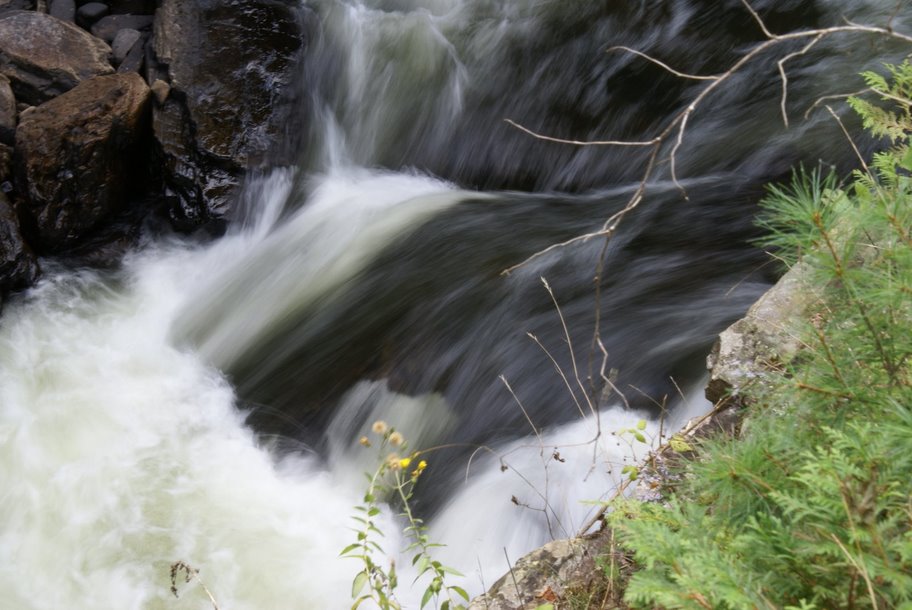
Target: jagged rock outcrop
[
  {"x": 76, "y": 155},
  {"x": 547, "y": 575},
  {"x": 759, "y": 341},
  {"x": 229, "y": 65},
  {"x": 18, "y": 266},
  {"x": 44, "y": 57}
]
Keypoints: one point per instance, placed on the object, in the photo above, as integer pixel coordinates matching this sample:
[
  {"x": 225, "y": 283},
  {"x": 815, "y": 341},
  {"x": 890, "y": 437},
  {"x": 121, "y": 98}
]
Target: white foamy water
[{"x": 122, "y": 452}]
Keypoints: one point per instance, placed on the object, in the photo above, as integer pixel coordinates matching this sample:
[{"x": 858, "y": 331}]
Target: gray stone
[
  {"x": 133, "y": 62},
  {"x": 64, "y": 9},
  {"x": 231, "y": 64},
  {"x": 107, "y": 27},
  {"x": 762, "y": 340},
  {"x": 44, "y": 57},
  {"x": 88, "y": 14},
  {"x": 549, "y": 574},
  {"x": 123, "y": 42},
  {"x": 76, "y": 157},
  {"x": 7, "y": 111},
  {"x": 18, "y": 265}
]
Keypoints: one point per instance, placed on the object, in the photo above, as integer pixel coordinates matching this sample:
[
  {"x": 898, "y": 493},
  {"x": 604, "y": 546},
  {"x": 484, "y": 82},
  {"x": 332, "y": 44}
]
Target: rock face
[
  {"x": 546, "y": 575},
  {"x": 230, "y": 64},
  {"x": 752, "y": 345},
  {"x": 7, "y": 111},
  {"x": 18, "y": 267},
  {"x": 43, "y": 56},
  {"x": 75, "y": 157}
]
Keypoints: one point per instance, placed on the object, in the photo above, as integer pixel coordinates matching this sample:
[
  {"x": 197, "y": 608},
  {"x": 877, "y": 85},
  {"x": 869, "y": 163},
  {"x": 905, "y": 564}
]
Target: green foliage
[
  {"x": 811, "y": 506},
  {"x": 395, "y": 477}
]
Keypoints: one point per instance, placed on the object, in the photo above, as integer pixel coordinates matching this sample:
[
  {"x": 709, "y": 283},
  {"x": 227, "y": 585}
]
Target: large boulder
[
  {"x": 44, "y": 56},
  {"x": 230, "y": 65},
  {"x": 76, "y": 157},
  {"x": 18, "y": 266}
]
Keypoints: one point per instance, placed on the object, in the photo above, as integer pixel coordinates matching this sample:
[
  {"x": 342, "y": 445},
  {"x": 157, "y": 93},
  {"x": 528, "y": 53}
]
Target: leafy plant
[
  {"x": 811, "y": 506},
  {"x": 395, "y": 478}
]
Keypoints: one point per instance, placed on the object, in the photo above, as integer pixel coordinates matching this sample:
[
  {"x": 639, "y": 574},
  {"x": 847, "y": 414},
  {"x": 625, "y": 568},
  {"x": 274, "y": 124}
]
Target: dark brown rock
[
  {"x": 75, "y": 157},
  {"x": 6, "y": 163},
  {"x": 18, "y": 265},
  {"x": 107, "y": 27},
  {"x": 231, "y": 64},
  {"x": 44, "y": 56},
  {"x": 8, "y": 111}
]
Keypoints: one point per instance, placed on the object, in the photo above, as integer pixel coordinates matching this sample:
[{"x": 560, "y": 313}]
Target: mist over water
[{"x": 203, "y": 402}]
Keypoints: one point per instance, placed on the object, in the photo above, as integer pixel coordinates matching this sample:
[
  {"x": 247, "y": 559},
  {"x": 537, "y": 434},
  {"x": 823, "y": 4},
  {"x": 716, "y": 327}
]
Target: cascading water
[{"x": 203, "y": 403}]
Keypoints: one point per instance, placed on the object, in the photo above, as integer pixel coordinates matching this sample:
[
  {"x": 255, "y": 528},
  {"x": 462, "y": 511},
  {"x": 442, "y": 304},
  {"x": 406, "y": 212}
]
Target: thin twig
[{"x": 661, "y": 64}]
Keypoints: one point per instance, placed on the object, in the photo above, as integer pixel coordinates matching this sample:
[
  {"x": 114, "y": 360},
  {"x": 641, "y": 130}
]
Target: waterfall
[{"x": 204, "y": 401}]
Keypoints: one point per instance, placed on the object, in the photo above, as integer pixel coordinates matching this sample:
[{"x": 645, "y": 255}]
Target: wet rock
[
  {"x": 88, "y": 14},
  {"x": 108, "y": 27},
  {"x": 18, "y": 265},
  {"x": 547, "y": 575},
  {"x": 230, "y": 67},
  {"x": 6, "y": 163},
  {"x": 7, "y": 111},
  {"x": 759, "y": 342},
  {"x": 75, "y": 157},
  {"x": 123, "y": 42},
  {"x": 43, "y": 56},
  {"x": 64, "y": 10}
]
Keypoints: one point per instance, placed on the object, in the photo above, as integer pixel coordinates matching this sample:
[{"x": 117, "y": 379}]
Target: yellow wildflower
[
  {"x": 404, "y": 463},
  {"x": 364, "y": 441}
]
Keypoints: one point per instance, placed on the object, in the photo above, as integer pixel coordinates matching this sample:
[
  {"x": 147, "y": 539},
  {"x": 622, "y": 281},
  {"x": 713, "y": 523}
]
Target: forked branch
[{"x": 676, "y": 128}]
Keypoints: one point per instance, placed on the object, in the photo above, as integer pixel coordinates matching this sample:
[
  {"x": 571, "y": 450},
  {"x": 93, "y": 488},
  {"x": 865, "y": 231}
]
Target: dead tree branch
[{"x": 675, "y": 129}]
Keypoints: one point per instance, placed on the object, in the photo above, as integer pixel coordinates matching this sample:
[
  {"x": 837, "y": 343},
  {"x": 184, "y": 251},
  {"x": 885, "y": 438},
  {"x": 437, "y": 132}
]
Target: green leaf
[
  {"x": 460, "y": 591},
  {"x": 358, "y": 583},
  {"x": 641, "y": 425},
  {"x": 545, "y": 607},
  {"x": 349, "y": 549},
  {"x": 428, "y": 594},
  {"x": 639, "y": 437}
]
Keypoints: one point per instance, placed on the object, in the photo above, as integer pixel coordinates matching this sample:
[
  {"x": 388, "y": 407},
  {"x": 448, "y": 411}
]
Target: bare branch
[
  {"x": 661, "y": 64},
  {"x": 784, "y": 76},
  {"x": 678, "y": 123},
  {"x": 534, "y": 134},
  {"x": 758, "y": 19},
  {"x": 851, "y": 141}
]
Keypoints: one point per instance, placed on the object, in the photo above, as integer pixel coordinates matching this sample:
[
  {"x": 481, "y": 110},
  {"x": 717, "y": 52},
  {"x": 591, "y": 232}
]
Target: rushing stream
[{"x": 204, "y": 402}]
